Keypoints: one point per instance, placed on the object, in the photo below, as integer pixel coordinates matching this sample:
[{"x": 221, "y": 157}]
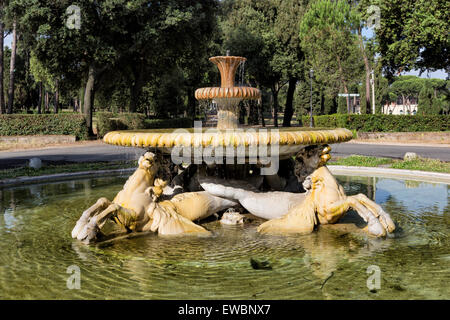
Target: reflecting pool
[{"x": 36, "y": 251}]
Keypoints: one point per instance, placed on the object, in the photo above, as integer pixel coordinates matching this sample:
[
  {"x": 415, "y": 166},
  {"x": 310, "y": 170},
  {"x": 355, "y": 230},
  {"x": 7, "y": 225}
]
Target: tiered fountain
[
  {"x": 196, "y": 189},
  {"x": 228, "y": 96}
]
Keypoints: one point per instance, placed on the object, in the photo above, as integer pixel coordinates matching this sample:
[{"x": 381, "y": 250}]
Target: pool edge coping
[
  {"x": 62, "y": 176},
  {"x": 335, "y": 169},
  {"x": 392, "y": 173}
]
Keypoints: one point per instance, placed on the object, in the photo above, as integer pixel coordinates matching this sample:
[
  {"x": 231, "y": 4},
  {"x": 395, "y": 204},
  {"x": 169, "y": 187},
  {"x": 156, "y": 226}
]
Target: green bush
[
  {"x": 43, "y": 124},
  {"x": 383, "y": 123},
  {"x": 133, "y": 121},
  {"x": 108, "y": 121},
  {"x": 105, "y": 123},
  {"x": 168, "y": 123}
]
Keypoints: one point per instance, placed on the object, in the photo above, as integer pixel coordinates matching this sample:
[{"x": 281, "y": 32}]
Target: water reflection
[{"x": 36, "y": 248}]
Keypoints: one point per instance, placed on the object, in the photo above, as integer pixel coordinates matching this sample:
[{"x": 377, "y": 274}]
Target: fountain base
[{"x": 166, "y": 198}]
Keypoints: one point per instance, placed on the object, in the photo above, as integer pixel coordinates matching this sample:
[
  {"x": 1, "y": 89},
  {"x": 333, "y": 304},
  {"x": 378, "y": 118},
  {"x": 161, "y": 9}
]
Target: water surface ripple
[{"x": 36, "y": 249}]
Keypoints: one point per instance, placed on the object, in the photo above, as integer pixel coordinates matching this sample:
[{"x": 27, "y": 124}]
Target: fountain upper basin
[{"x": 231, "y": 92}]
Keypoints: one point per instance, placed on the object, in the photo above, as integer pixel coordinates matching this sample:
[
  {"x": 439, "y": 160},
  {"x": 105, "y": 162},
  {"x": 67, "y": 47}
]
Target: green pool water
[{"x": 36, "y": 251}]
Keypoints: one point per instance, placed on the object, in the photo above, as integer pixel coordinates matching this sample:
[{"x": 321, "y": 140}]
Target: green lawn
[
  {"x": 362, "y": 161},
  {"x": 416, "y": 164}
]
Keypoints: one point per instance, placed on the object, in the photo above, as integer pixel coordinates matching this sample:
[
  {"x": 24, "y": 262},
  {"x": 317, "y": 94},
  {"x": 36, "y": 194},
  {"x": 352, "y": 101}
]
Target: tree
[
  {"x": 329, "y": 105},
  {"x": 12, "y": 68},
  {"x": 47, "y": 83},
  {"x": 289, "y": 57},
  {"x": 360, "y": 11},
  {"x": 132, "y": 40},
  {"x": 436, "y": 106},
  {"x": 425, "y": 99},
  {"x": 2, "y": 97},
  {"x": 303, "y": 97},
  {"x": 413, "y": 34},
  {"x": 329, "y": 45},
  {"x": 342, "y": 105},
  {"x": 249, "y": 31},
  {"x": 433, "y": 96},
  {"x": 406, "y": 87}
]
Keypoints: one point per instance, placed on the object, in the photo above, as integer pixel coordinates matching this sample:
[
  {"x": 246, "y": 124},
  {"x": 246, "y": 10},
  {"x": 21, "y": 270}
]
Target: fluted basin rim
[
  {"x": 227, "y": 92},
  {"x": 229, "y": 58},
  {"x": 168, "y": 138}
]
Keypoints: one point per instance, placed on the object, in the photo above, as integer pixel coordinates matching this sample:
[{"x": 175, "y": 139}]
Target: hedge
[
  {"x": 168, "y": 123},
  {"x": 382, "y": 122},
  {"x": 108, "y": 121},
  {"x": 43, "y": 124}
]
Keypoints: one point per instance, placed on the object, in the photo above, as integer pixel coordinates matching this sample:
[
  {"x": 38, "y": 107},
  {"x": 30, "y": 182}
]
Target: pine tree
[{"x": 425, "y": 99}]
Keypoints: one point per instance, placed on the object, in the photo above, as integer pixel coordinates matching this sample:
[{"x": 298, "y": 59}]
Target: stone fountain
[
  {"x": 227, "y": 95},
  {"x": 187, "y": 175}
]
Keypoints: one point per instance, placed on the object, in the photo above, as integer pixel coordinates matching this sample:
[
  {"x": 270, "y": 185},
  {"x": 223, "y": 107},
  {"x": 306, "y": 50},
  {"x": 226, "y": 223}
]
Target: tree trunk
[
  {"x": 275, "y": 104},
  {"x": 89, "y": 98},
  {"x": 367, "y": 68},
  {"x": 347, "y": 98},
  {"x": 39, "y": 106},
  {"x": 56, "y": 97},
  {"x": 2, "y": 96},
  {"x": 322, "y": 103},
  {"x": 11, "y": 70},
  {"x": 46, "y": 102},
  {"x": 242, "y": 113},
  {"x": 191, "y": 102},
  {"x": 289, "y": 110},
  {"x": 253, "y": 113},
  {"x": 261, "y": 108},
  {"x": 344, "y": 84},
  {"x": 136, "y": 87},
  {"x": 81, "y": 100}
]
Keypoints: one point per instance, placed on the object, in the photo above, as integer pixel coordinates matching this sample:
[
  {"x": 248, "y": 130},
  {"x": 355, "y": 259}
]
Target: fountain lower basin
[
  {"x": 289, "y": 140},
  {"x": 413, "y": 264}
]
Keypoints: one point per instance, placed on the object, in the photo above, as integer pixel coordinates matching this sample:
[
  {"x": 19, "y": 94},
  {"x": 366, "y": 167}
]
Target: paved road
[
  {"x": 103, "y": 152},
  {"x": 60, "y": 155}
]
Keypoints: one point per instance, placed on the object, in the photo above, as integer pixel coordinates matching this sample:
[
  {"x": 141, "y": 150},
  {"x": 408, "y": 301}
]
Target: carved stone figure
[
  {"x": 139, "y": 206},
  {"x": 136, "y": 206}
]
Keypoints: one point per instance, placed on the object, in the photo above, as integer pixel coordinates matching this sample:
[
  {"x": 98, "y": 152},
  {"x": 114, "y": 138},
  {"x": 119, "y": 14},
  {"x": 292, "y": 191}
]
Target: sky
[{"x": 368, "y": 33}]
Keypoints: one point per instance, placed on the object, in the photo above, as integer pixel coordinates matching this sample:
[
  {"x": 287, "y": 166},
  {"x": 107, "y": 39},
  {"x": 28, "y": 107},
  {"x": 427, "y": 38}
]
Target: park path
[{"x": 98, "y": 151}]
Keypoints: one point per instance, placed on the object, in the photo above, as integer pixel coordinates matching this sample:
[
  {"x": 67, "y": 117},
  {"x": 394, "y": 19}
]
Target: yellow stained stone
[{"x": 215, "y": 138}]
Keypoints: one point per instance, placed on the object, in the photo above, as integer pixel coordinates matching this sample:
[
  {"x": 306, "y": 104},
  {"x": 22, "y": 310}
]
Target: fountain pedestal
[{"x": 228, "y": 96}]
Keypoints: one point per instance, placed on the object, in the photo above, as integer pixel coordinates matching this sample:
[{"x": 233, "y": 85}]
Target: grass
[
  {"x": 67, "y": 168},
  {"x": 362, "y": 161},
  {"x": 421, "y": 164},
  {"x": 424, "y": 165}
]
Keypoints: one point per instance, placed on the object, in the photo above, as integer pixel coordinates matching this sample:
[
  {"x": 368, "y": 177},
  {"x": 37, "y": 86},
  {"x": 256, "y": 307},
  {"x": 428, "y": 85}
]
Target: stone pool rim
[{"x": 424, "y": 176}]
